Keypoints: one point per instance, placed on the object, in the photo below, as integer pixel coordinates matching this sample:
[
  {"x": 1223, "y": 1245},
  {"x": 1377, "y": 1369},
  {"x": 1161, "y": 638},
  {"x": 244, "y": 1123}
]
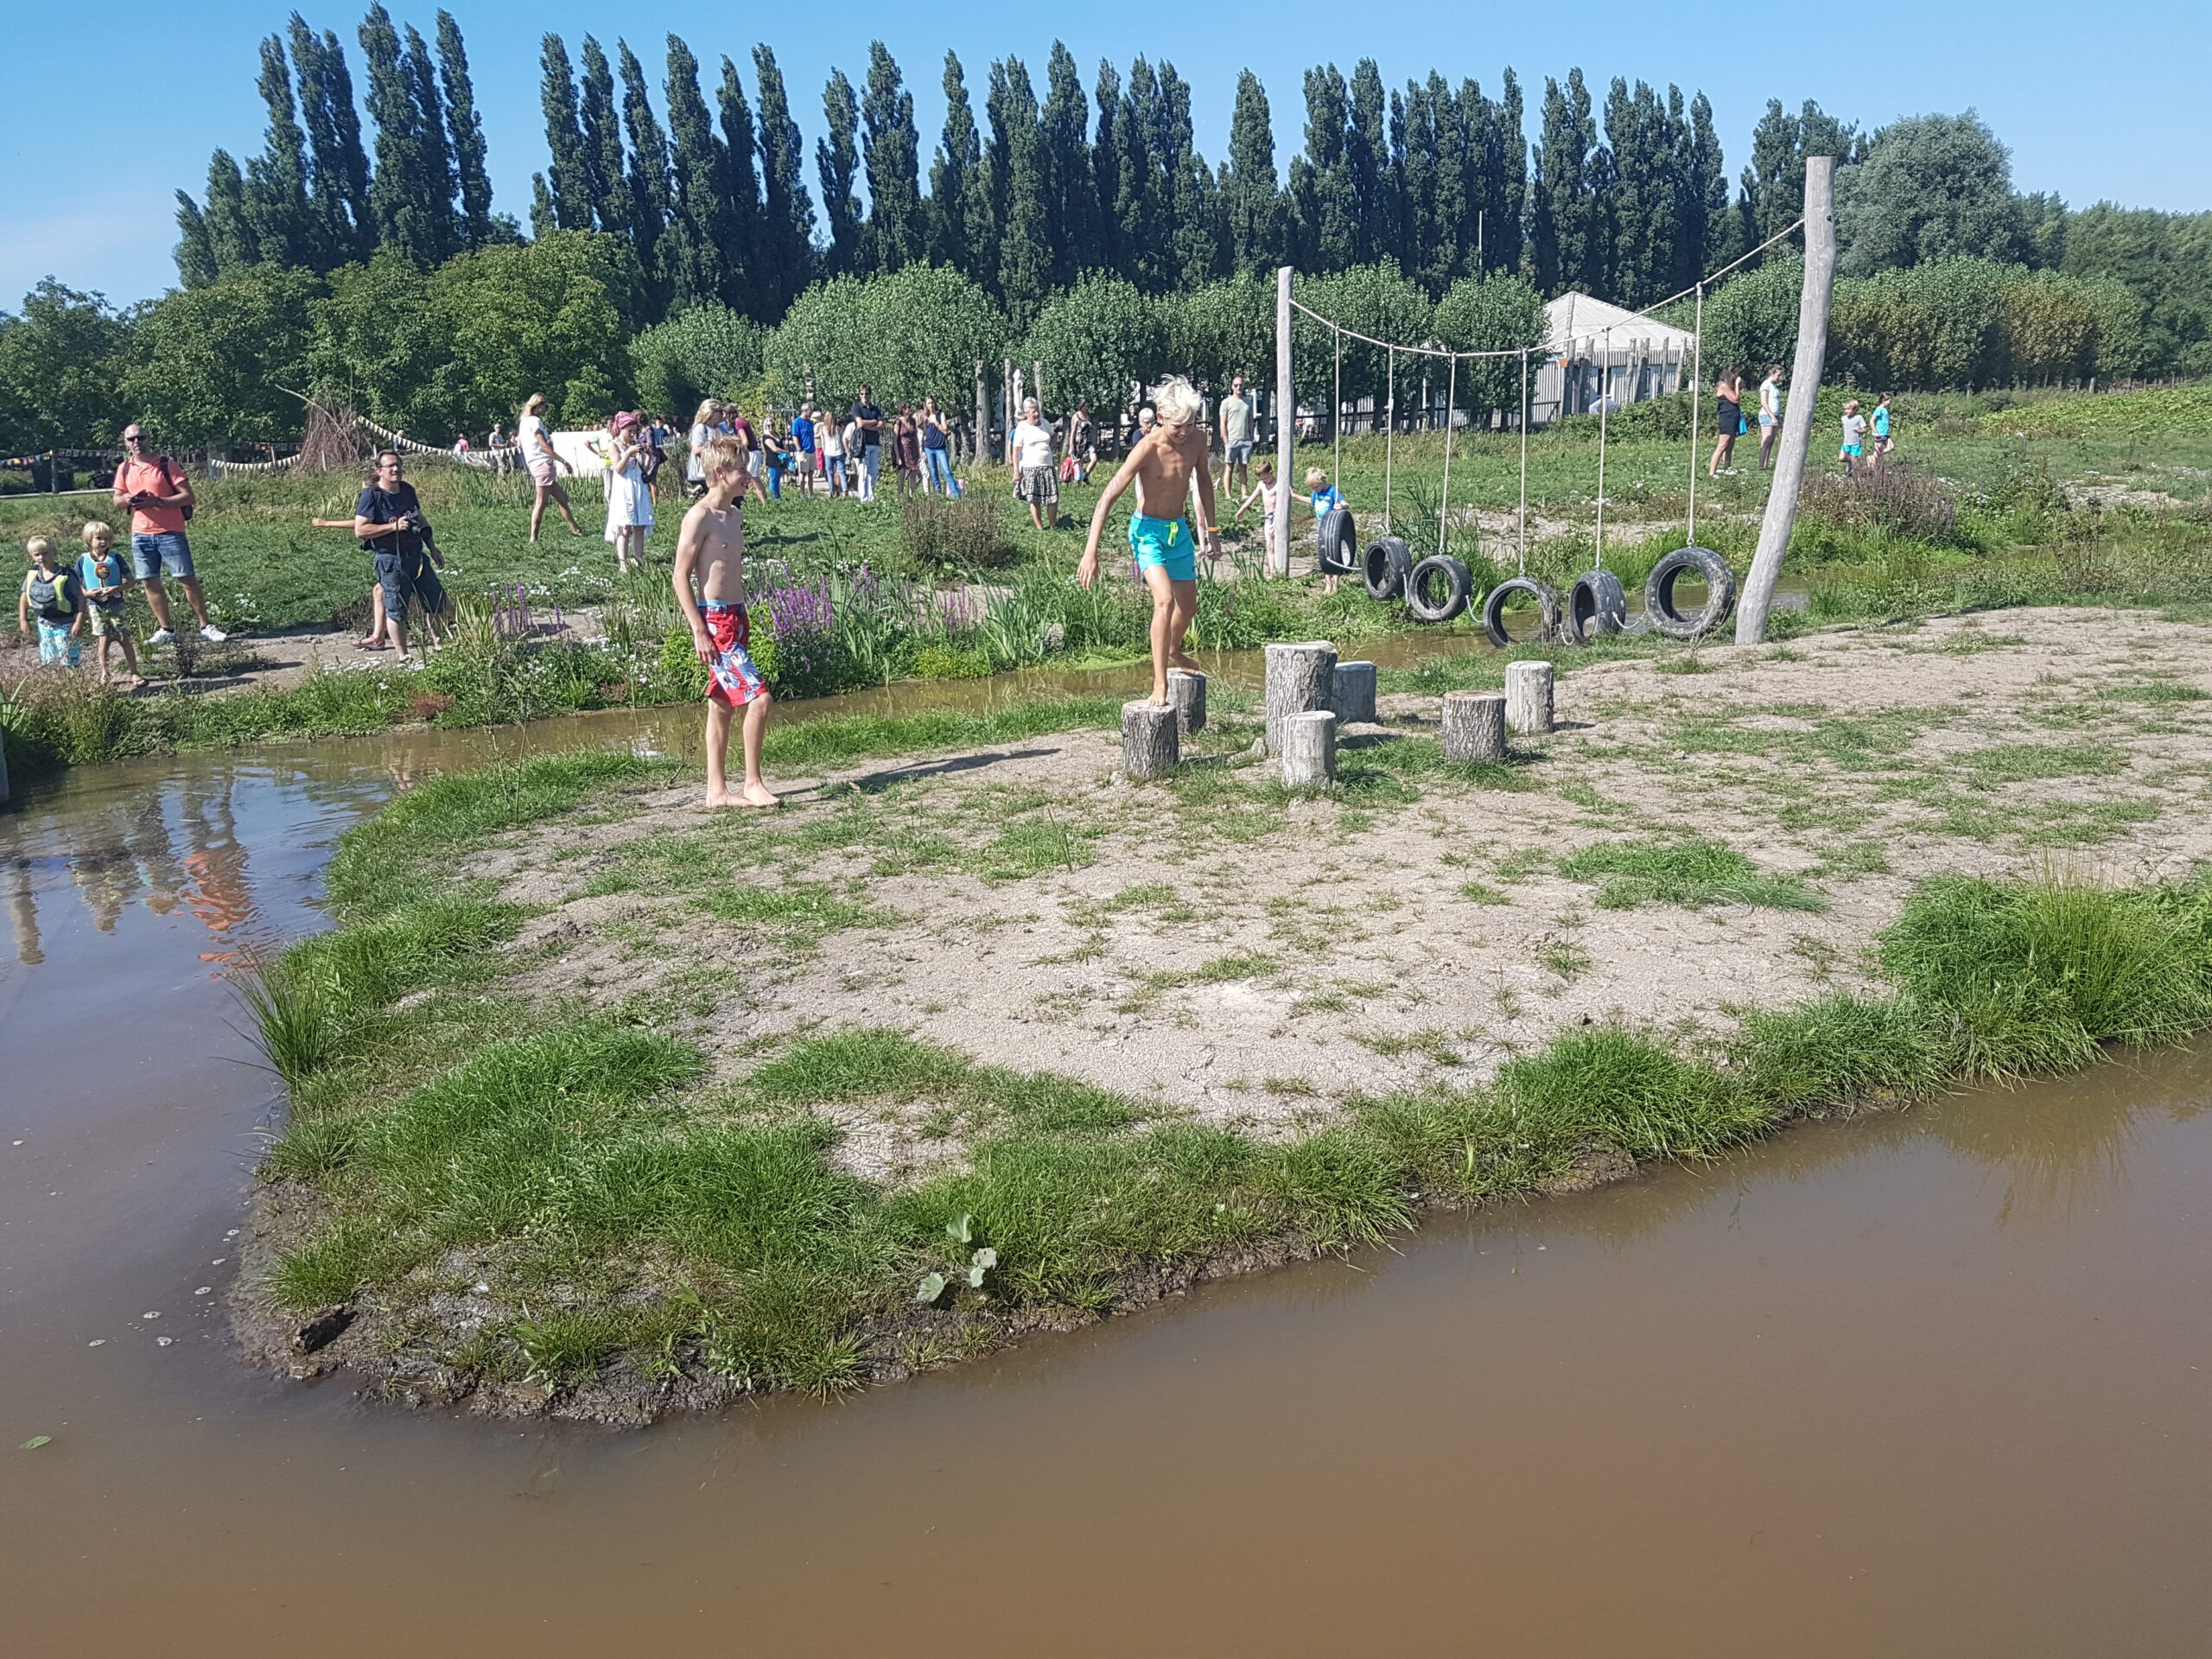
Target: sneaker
[
  {"x": 160, "y": 637},
  {"x": 213, "y": 635}
]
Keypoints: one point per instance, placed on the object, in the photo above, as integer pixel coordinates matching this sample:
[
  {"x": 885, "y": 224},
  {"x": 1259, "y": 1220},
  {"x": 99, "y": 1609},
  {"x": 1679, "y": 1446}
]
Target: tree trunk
[
  {"x": 1300, "y": 680},
  {"x": 1151, "y": 740},
  {"x": 1528, "y": 698},
  {"x": 1474, "y": 725},
  {"x": 1805, "y": 387},
  {"x": 1309, "y": 749},
  {"x": 1352, "y": 692},
  {"x": 1187, "y": 691}
]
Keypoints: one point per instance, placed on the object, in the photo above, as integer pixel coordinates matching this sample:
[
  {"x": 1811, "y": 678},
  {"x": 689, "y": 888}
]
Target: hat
[{"x": 627, "y": 418}]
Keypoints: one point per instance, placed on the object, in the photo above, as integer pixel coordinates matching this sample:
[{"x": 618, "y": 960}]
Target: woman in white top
[
  {"x": 543, "y": 459},
  {"x": 629, "y": 502},
  {"x": 1037, "y": 481},
  {"x": 1770, "y": 416},
  {"x": 833, "y": 453},
  {"x": 705, "y": 424}
]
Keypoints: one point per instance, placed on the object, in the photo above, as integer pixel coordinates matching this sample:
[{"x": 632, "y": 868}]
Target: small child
[
  {"x": 1322, "y": 496},
  {"x": 105, "y": 577},
  {"x": 1880, "y": 434},
  {"x": 1854, "y": 438},
  {"x": 55, "y": 595},
  {"x": 1265, "y": 492}
]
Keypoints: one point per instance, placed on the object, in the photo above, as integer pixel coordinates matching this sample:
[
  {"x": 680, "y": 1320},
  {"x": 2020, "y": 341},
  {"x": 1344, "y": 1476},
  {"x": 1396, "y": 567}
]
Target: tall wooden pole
[
  {"x": 1804, "y": 388},
  {"x": 982, "y": 416},
  {"x": 1285, "y": 426}
]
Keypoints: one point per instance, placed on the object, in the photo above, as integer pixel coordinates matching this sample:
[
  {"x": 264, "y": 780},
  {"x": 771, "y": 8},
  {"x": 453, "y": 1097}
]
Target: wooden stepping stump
[
  {"x": 1187, "y": 691},
  {"x": 1301, "y": 678},
  {"x": 1152, "y": 744},
  {"x": 1474, "y": 725},
  {"x": 1309, "y": 749},
  {"x": 1352, "y": 692},
  {"x": 1528, "y": 698}
]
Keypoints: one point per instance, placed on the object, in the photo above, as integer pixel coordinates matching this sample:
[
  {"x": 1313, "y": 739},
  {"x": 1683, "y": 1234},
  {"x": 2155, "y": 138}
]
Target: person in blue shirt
[
  {"x": 1322, "y": 496},
  {"x": 802, "y": 441},
  {"x": 105, "y": 577},
  {"x": 1880, "y": 447}
]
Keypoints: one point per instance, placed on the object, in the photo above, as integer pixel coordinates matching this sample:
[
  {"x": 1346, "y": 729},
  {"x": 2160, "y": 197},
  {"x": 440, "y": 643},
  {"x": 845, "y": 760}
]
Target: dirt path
[{"x": 1250, "y": 961}]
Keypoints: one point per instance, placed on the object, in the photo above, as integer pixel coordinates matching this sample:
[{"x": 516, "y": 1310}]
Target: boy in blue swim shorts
[{"x": 1165, "y": 466}]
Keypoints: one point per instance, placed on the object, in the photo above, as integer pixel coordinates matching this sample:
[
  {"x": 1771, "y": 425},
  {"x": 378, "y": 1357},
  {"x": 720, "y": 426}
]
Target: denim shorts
[
  {"x": 408, "y": 576},
  {"x": 164, "y": 552},
  {"x": 1240, "y": 454}
]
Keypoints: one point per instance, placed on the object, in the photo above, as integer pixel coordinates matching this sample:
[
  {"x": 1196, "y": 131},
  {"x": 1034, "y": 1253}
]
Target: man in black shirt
[
  {"x": 389, "y": 520},
  {"x": 869, "y": 419}
]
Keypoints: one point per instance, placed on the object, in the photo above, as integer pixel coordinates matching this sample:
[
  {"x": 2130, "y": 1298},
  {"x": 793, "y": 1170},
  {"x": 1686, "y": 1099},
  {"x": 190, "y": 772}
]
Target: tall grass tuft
[{"x": 1690, "y": 871}]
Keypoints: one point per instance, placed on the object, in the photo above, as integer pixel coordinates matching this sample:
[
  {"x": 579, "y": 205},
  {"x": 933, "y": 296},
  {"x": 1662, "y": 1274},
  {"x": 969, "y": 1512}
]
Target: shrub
[
  {"x": 1901, "y": 499},
  {"x": 950, "y": 534}
]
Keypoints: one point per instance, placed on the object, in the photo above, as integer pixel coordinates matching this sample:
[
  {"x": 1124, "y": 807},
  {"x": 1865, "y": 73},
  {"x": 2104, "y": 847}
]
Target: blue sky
[{"x": 2096, "y": 101}]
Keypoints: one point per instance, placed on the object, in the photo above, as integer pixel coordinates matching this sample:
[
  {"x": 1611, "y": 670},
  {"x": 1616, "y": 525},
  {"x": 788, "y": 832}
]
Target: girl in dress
[{"x": 629, "y": 501}]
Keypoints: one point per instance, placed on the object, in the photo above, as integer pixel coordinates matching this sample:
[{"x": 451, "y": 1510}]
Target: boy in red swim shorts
[{"x": 711, "y": 548}]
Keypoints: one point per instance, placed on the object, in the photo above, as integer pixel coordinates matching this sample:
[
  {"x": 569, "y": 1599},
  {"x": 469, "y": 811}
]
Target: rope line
[
  {"x": 1390, "y": 438},
  {"x": 1524, "y": 463},
  {"x": 1336, "y": 416},
  {"x": 1697, "y": 393},
  {"x": 1451, "y": 407}
]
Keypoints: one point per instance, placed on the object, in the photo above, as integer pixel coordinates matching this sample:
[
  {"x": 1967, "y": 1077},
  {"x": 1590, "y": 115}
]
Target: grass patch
[
  {"x": 1691, "y": 872},
  {"x": 2016, "y": 763}
]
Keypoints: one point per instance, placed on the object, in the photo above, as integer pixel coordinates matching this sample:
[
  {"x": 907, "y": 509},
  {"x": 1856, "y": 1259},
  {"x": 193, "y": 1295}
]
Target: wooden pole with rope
[{"x": 1285, "y": 426}]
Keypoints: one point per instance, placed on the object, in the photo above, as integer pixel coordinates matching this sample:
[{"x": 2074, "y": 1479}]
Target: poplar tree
[
  {"x": 1071, "y": 191},
  {"x": 1321, "y": 185},
  {"x": 1367, "y": 167},
  {"x": 741, "y": 222},
  {"x": 895, "y": 234},
  {"x": 662, "y": 242},
  {"x": 433, "y": 155},
  {"x": 1505, "y": 247},
  {"x": 471, "y": 173},
  {"x": 694, "y": 263},
  {"x": 958, "y": 210},
  {"x": 230, "y": 242},
  {"x": 345, "y": 230},
  {"x": 1141, "y": 207},
  {"x": 277, "y": 180},
  {"x": 400, "y": 202},
  {"x": 1018, "y": 185},
  {"x": 605, "y": 168},
  {"x": 1425, "y": 146},
  {"x": 1251, "y": 192},
  {"x": 1114, "y": 253},
  {"x": 1646, "y": 197},
  {"x": 837, "y": 162},
  {"x": 567, "y": 176},
  {"x": 1709, "y": 229},
  {"x": 787, "y": 211},
  {"x": 1563, "y": 221},
  {"x": 195, "y": 247},
  {"x": 1196, "y": 232}
]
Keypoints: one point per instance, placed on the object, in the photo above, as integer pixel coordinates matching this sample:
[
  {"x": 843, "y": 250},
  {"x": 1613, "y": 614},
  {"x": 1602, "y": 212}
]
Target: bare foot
[
  {"x": 138, "y": 681},
  {"x": 759, "y": 795},
  {"x": 1158, "y": 698},
  {"x": 1184, "y": 660}
]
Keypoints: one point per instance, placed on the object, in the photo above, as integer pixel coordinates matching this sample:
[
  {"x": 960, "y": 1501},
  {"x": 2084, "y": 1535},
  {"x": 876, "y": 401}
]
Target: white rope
[
  {"x": 1389, "y": 437},
  {"x": 1451, "y": 402},
  {"x": 1605, "y": 401},
  {"x": 1336, "y": 416},
  {"x": 1697, "y": 393},
  {"x": 1524, "y": 463}
]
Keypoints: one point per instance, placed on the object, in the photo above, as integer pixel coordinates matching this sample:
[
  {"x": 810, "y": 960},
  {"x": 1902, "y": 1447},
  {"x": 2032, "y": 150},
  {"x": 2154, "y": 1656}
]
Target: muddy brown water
[{"x": 1928, "y": 1384}]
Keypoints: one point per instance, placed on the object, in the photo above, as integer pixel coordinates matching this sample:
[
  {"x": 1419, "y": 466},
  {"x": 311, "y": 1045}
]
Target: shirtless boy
[
  {"x": 1165, "y": 463},
  {"x": 711, "y": 546}
]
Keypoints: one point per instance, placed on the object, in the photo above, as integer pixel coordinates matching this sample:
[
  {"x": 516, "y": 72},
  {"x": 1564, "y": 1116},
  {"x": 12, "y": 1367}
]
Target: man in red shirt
[{"x": 159, "y": 495}]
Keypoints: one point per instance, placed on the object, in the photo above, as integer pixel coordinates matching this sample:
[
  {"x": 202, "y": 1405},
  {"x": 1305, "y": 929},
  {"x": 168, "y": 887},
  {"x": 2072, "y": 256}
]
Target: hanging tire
[
  {"x": 1389, "y": 564},
  {"x": 1595, "y": 607},
  {"x": 1438, "y": 570},
  {"x": 1515, "y": 587},
  {"x": 1664, "y": 616},
  {"x": 1336, "y": 543}
]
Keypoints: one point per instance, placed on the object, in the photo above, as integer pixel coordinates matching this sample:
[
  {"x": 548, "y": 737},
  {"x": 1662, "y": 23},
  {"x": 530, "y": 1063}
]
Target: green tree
[
  {"x": 709, "y": 351},
  {"x": 787, "y": 212},
  {"x": 1321, "y": 182},
  {"x": 2165, "y": 261},
  {"x": 1096, "y": 337},
  {"x": 1143, "y": 209},
  {"x": 471, "y": 172},
  {"x": 1222, "y": 329},
  {"x": 211, "y": 365},
  {"x": 895, "y": 233},
  {"x": 1774, "y": 183},
  {"x": 1375, "y": 213},
  {"x": 1106, "y": 145},
  {"x": 1374, "y": 299},
  {"x": 344, "y": 228},
  {"x": 1498, "y": 311},
  {"x": 1710, "y": 230},
  {"x": 1931, "y": 187},
  {"x": 661, "y": 240},
  {"x": 232, "y": 243},
  {"x": 700, "y": 245},
  {"x": 1018, "y": 190},
  {"x": 432, "y": 152},
  {"x": 61, "y": 356},
  {"x": 1252, "y": 194},
  {"x": 412, "y": 218},
  {"x": 1935, "y": 327},
  {"x": 277, "y": 180},
  {"x": 605, "y": 165},
  {"x": 741, "y": 222},
  {"x": 1750, "y": 320},
  {"x": 909, "y": 334},
  {"x": 959, "y": 204},
  {"x": 1071, "y": 232},
  {"x": 837, "y": 161},
  {"x": 568, "y": 174},
  {"x": 1566, "y": 217},
  {"x": 1198, "y": 233}
]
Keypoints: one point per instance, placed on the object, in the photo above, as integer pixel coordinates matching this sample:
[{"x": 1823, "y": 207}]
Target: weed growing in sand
[
  {"x": 1481, "y": 892},
  {"x": 1569, "y": 961},
  {"x": 1691, "y": 872}
]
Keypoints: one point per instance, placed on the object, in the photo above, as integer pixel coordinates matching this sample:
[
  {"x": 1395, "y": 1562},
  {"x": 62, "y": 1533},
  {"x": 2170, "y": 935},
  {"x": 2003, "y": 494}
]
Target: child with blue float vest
[
  {"x": 52, "y": 597},
  {"x": 1324, "y": 497},
  {"x": 105, "y": 574},
  {"x": 1163, "y": 465}
]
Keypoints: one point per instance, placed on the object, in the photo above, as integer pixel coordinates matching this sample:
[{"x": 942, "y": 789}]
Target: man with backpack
[{"x": 159, "y": 496}]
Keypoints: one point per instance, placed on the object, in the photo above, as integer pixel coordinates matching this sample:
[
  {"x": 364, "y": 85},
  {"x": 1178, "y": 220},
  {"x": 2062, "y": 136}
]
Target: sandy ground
[{"x": 1251, "y": 962}]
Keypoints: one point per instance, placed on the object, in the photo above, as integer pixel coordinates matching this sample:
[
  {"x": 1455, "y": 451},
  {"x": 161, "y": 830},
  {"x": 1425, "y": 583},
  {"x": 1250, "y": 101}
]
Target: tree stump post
[
  {"x": 1187, "y": 691},
  {"x": 1528, "y": 698},
  {"x": 1352, "y": 692},
  {"x": 1474, "y": 725},
  {"x": 1151, "y": 740},
  {"x": 1300, "y": 679},
  {"x": 1309, "y": 749}
]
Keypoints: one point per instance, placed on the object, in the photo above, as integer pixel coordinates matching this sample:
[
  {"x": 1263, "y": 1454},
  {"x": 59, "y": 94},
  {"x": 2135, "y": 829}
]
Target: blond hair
[
  {"x": 1176, "y": 400},
  {"x": 534, "y": 403},
  {"x": 1315, "y": 478},
  {"x": 720, "y": 453},
  {"x": 39, "y": 545},
  {"x": 96, "y": 529}
]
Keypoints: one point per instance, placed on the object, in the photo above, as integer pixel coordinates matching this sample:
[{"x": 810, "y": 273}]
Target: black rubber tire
[
  {"x": 1494, "y": 610},
  {"x": 1336, "y": 543},
  {"x": 1595, "y": 607},
  {"x": 1659, "y": 607},
  {"x": 1459, "y": 588},
  {"x": 1389, "y": 561}
]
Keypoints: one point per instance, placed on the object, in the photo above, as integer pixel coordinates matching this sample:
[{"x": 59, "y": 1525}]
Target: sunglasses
[{"x": 133, "y": 437}]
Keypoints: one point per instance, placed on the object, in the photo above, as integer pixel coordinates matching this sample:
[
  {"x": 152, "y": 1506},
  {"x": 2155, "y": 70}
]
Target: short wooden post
[
  {"x": 1474, "y": 725},
  {"x": 1151, "y": 740},
  {"x": 1352, "y": 692},
  {"x": 1300, "y": 678},
  {"x": 1187, "y": 690},
  {"x": 1528, "y": 698},
  {"x": 1309, "y": 749}
]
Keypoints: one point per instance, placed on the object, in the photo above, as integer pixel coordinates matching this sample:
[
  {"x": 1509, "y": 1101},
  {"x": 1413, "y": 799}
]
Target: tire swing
[
  {"x": 1512, "y": 587},
  {"x": 1336, "y": 543},
  {"x": 1387, "y": 564},
  {"x": 1596, "y": 606},
  {"x": 1703, "y": 565},
  {"x": 1438, "y": 570}
]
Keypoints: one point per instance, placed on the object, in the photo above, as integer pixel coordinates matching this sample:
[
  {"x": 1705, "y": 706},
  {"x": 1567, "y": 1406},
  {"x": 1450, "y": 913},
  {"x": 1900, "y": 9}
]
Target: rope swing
[
  {"x": 1390, "y": 436},
  {"x": 1451, "y": 405},
  {"x": 1697, "y": 393},
  {"x": 1336, "y": 415},
  {"x": 1525, "y": 462}
]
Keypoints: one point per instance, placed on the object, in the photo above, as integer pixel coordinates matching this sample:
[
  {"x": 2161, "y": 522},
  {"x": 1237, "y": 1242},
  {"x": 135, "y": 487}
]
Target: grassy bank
[{"x": 533, "y": 1195}]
